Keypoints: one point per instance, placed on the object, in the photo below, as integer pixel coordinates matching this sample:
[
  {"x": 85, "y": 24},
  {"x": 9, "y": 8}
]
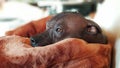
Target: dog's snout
[{"x": 33, "y": 42}]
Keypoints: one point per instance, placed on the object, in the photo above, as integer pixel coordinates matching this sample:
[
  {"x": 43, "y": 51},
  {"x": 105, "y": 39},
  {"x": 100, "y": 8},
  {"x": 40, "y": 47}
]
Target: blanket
[
  {"x": 31, "y": 28},
  {"x": 16, "y": 52}
]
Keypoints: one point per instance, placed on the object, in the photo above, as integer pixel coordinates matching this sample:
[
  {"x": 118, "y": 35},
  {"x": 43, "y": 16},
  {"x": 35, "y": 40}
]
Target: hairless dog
[{"x": 69, "y": 25}]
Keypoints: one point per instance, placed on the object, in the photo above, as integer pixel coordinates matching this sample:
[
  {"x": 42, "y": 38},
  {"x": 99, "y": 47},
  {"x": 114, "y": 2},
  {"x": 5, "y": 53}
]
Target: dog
[{"x": 69, "y": 25}]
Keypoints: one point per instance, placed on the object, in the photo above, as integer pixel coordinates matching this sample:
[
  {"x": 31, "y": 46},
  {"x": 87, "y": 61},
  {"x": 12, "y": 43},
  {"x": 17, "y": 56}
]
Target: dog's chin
[
  {"x": 40, "y": 44},
  {"x": 34, "y": 45}
]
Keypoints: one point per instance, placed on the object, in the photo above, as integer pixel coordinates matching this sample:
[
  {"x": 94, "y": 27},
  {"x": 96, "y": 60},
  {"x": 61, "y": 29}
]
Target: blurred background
[
  {"x": 14, "y": 13},
  {"x": 106, "y": 13}
]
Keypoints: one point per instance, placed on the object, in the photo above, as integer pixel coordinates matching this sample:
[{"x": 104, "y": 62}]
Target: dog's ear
[
  {"x": 92, "y": 29},
  {"x": 93, "y": 33},
  {"x": 92, "y": 25}
]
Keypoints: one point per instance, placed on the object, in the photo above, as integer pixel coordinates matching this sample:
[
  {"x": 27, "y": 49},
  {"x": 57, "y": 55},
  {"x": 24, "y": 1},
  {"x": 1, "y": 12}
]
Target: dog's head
[{"x": 69, "y": 25}]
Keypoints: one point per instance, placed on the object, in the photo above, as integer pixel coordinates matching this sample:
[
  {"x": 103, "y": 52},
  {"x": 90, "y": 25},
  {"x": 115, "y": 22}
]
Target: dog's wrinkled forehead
[
  {"x": 71, "y": 19},
  {"x": 66, "y": 17}
]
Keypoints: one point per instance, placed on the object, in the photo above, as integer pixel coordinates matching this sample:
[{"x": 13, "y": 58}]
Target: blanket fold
[
  {"x": 16, "y": 52},
  {"x": 31, "y": 28}
]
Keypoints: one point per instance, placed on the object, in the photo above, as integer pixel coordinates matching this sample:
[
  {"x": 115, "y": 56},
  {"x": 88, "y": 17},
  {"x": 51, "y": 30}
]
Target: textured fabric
[
  {"x": 31, "y": 28},
  {"x": 16, "y": 52}
]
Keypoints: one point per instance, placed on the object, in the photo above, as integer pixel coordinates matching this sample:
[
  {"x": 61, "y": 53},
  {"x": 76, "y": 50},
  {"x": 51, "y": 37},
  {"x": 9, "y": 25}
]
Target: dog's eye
[
  {"x": 59, "y": 30},
  {"x": 92, "y": 29}
]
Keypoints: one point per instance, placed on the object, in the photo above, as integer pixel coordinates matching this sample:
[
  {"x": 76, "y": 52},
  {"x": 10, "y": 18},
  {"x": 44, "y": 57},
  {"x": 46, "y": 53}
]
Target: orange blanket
[
  {"x": 16, "y": 52},
  {"x": 31, "y": 28}
]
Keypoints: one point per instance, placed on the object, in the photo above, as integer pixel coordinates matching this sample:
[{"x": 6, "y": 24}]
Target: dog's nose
[{"x": 33, "y": 42}]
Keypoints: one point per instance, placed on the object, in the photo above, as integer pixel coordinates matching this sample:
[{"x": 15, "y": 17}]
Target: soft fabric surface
[
  {"x": 31, "y": 28},
  {"x": 16, "y": 52}
]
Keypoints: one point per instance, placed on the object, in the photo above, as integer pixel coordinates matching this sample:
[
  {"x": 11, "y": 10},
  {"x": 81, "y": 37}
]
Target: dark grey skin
[{"x": 69, "y": 25}]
